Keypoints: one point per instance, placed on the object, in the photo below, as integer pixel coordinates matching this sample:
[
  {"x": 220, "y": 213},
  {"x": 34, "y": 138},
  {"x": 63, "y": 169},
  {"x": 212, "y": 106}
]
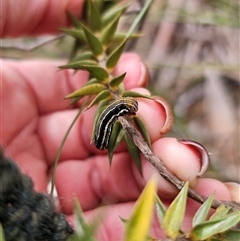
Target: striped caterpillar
[{"x": 120, "y": 107}]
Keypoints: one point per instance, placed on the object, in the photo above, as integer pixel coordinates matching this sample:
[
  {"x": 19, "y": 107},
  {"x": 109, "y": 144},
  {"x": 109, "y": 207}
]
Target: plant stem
[
  {"x": 63, "y": 142},
  {"x": 158, "y": 165}
]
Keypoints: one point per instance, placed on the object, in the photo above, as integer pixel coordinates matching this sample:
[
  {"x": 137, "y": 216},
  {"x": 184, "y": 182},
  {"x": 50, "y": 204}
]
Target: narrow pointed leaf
[
  {"x": 2, "y": 238},
  {"x": 141, "y": 126},
  {"x": 76, "y": 46},
  {"x": 113, "y": 138},
  {"x": 111, "y": 14},
  {"x": 113, "y": 145},
  {"x": 101, "y": 96},
  {"x": 97, "y": 72},
  {"x": 93, "y": 42},
  {"x": 161, "y": 209},
  {"x": 137, "y": 227},
  {"x": 75, "y": 100},
  {"x": 124, "y": 220},
  {"x": 84, "y": 231},
  {"x": 115, "y": 82},
  {"x": 87, "y": 90},
  {"x": 119, "y": 139},
  {"x": 175, "y": 214},
  {"x": 76, "y": 23},
  {"x": 115, "y": 55},
  {"x": 135, "y": 94},
  {"x": 98, "y": 5},
  {"x": 232, "y": 234},
  {"x": 78, "y": 64},
  {"x": 80, "y": 221},
  {"x": 99, "y": 110},
  {"x": 202, "y": 213},
  {"x": 109, "y": 31},
  {"x": 83, "y": 56},
  {"x": 119, "y": 37},
  {"x": 92, "y": 81},
  {"x": 134, "y": 152},
  {"x": 204, "y": 230},
  {"x": 93, "y": 17},
  {"x": 76, "y": 33},
  {"x": 220, "y": 212}
]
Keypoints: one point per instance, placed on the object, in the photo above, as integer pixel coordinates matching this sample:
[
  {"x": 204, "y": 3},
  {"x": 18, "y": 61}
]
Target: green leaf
[
  {"x": 87, "y": 90},
  {"x": 81, "y": 224},
  {"x": 134, "y": 152},
  {"x": 93, "y": 42},
  {"x": 84, "y": 232},
  {"x": 76, "y": 33},
  {"x": 206, "y": 229},
  {"x": 116, "y": 81},
  {"x": 175, "y": 214},
  {"x": 2, "y": 238},
  {"x": 232, "y": 234},
  {"x": 120, "y": 137},
  {"x": 75, "y": 100},
  {"x": 113, "y": 146},
  {"x": 202, "y": 213},
  {"x": 92, "y": 81},
  {"x": 93, "y": 17},
  {"x": 113, "y": 140},
  {"x": 138, "y": 224},
  {"x": 87, "y": 55},
  {"x": 124, "y": 220},
  {"x": 111, "y": 14},
  {"x": 78, "y": 64},
  {"x": 119, "y": 37},
  {"x": 115, "y": 55},
  {"x": 135, "y": 94},
  {"x": 220, "y": 212},
  {"x": 97, "y": 72},
  {"x": 141, "y": 126},
  {"x": 160, "y": 209},
  {"x": 101, "y": 96},
  {"x": 76, "y": 46},
  {"x": 76, "y": 23},
  {"x": 99, "y": 110},
  {"x": 109, "y": 31}
]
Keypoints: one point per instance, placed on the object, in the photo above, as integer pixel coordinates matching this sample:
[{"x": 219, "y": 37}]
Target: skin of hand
[{"x": 34, "y": 119}]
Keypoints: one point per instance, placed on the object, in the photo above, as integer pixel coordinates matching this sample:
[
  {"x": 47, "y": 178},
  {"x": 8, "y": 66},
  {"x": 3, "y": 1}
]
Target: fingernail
[
  {"x": 234, "y": 189},
  {"x": 168, "y": 114},
  {"x": 204, "y": 156}
]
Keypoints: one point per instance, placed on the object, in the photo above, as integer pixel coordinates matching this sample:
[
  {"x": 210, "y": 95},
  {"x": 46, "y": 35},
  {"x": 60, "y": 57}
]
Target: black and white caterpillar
[{"x": 120, "y": 107}]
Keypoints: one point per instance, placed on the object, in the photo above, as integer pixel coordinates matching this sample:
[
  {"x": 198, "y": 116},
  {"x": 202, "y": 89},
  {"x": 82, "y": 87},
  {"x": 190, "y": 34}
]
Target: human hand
[{"x": 35, "y": 119}]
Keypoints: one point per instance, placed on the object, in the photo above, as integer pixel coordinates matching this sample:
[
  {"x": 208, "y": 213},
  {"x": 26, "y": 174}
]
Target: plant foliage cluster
[
  {"x": 98, "y": 45},
  {"x": 97, "y": 49}
]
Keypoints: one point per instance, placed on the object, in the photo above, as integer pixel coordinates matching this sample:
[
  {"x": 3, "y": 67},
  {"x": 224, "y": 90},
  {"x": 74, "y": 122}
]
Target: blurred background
[{"x": 192, "y": 50}]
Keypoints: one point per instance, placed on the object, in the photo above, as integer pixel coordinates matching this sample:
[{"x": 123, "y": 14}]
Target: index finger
[{"x": 36, "y": 17}]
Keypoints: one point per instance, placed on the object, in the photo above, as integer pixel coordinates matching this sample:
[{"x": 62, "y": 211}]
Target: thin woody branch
[{"x": 158, "y": 165}]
